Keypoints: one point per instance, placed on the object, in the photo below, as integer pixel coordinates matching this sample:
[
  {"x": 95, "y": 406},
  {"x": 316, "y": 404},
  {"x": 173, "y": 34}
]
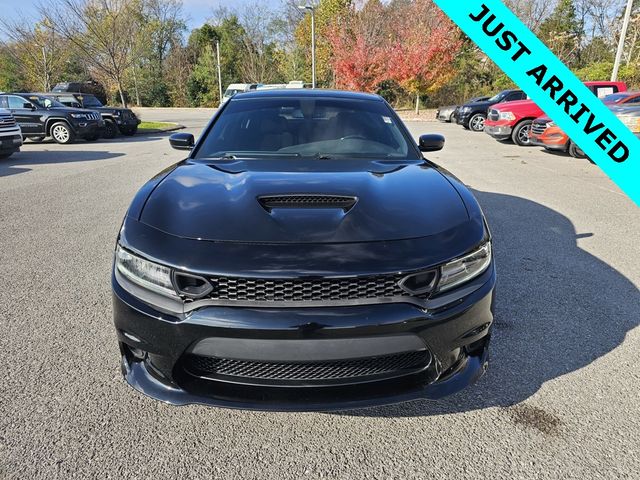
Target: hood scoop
[{"x": 342, "y": 202}]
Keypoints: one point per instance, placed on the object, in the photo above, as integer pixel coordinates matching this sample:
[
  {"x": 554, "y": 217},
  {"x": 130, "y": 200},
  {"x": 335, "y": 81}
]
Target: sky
[{"x": 197, "y": 11}]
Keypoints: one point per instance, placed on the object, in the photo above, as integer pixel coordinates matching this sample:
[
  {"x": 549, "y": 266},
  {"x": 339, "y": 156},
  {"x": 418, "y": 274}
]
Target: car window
[
  {"x": 603, "y": 91},
  {"x": 16, "y": 102},
  {"x": 44, "y": 102},
  {"x": 306, "y": 127},
  {"x": 89, "y": 101},
  {"x": 69, "y": 101},
  {"x": 513, "y": 96}
]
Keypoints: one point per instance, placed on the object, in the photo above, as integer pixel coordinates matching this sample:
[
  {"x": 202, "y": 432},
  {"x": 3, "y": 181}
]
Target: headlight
[
  {"x": 551, "y": 124},
  {"x": 116, "y": 114},
  {"x": 79, "y": 115},
  {"x": 147, "y": 274},
  {"x": 507, "y": 116},
  {"x": 465, "y": 268},
  {"x": 465, "y": 109}
]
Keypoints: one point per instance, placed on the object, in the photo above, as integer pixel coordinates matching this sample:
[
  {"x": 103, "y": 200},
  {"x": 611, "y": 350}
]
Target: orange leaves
[{"x": 412, "y": 43}]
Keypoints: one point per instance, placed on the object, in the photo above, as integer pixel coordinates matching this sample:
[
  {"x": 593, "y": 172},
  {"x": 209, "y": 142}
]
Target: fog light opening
[
  {"x": 137, "y": 353},
  {"x": 191, "y": 286}
]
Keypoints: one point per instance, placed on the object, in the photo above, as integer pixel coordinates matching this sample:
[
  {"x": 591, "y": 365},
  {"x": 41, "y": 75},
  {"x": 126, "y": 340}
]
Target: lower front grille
[
  {"x": 345, "y": 370},
  {"x": 538, "y": 128}
]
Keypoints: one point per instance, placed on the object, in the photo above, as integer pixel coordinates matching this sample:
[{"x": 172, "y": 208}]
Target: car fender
[{"x": 51, "y": 120}]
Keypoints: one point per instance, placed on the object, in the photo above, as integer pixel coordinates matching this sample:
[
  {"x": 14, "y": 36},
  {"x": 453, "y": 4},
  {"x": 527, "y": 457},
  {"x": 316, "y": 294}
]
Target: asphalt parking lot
[{"x": 561, "y": 398}]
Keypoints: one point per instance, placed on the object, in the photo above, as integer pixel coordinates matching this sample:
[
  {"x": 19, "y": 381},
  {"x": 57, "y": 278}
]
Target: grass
[{"x": 146, "y": 127}]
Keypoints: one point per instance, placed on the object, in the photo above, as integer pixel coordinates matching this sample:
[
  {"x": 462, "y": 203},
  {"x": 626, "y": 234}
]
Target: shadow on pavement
[
  {"x": 141, "y": 137},
  {"x": 19, "y": 162},
  {"x": 558, "y": 309}
]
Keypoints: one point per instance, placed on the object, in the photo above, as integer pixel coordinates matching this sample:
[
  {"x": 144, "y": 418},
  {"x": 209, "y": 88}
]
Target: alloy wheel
[
  {"x": 477, "y": 123},
  {"x": 60, "y": 133},
  {"x": 523, "y": 135}
]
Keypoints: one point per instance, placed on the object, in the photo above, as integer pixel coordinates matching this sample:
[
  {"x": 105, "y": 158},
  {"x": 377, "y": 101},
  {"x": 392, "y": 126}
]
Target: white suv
[{"x": 10, "y": 134}]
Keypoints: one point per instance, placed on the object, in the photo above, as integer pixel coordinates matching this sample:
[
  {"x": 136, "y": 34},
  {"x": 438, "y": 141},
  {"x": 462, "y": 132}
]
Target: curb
[{"x": 161, "y": 130}]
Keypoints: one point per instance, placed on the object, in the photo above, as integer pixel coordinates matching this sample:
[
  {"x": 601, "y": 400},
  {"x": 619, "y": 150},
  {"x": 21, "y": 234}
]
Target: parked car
[
  {"x": 622, "y": 98},
  {"x": 473, "y": 115},
  {"x": 91, "y": 88},
  {"x": 10, "y": 134},
  {"x": 238, "y": 88},
  {"x": 512, "y": 120},
  {"x": 448, "y": 114},
  {"x": 334, "y": 290},
  {"x": 40, "y": 116},
  {"x": 545, "y": 133},
  {"x": 116, "y": 120}
]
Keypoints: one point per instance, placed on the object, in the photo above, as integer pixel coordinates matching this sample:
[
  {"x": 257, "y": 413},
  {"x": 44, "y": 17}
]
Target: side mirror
[
  {"x": 182, "y": 141},
  {"x": 431, "y": 142},
  {"x": 28, "y": 106}
]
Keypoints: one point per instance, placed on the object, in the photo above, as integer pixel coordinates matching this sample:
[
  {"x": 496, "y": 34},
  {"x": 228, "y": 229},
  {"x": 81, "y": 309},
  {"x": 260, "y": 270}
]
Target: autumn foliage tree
[
  {"x": 412, "y": 43},
  {"x": 359, "y": 55},
  {"x": 424, "y": 49}
]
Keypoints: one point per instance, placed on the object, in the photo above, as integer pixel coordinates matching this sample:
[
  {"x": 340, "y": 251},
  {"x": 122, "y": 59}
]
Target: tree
[
  {"x": 39, "y": 51},
  {"x": 359, "y": 48},
  {"x": 327, "y": 13},
  {"x": 425, "y": 46},
  {"x": 103, "y": 32},
  {"x": 562, "y": 32}
]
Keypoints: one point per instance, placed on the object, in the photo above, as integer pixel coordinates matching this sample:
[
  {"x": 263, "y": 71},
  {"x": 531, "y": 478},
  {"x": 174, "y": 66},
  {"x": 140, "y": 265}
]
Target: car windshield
[
  {"x": 44, "y": 102},
  {"x": 306, "y": 127},
  {"x": 232, "y": 91},
  {"x": 498, "y": 97},
  {"x": 90, "y": 101}
]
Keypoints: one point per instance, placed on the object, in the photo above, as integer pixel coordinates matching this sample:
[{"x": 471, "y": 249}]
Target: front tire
[
  {"x": 476, "y": 123},
  {"x": 575, "y": 152},
  {"x": 110, "y": 129},
  {"x": 520, "y": 134},
  {"x": 129, "y": 131},
  {"x": 62, "y": 133}
]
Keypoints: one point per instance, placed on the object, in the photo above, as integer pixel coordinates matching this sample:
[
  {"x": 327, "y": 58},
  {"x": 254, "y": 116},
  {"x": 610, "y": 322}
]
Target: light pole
[
  {"x": 312, "y": 9},
  {"x": 623, "y": 37}
]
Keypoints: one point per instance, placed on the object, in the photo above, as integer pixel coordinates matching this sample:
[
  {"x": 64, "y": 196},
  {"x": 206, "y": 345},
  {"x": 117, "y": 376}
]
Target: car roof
[{"x": 307, "y": 93}]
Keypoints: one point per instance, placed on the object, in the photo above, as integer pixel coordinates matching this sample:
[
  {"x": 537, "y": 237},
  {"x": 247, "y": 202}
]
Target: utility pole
[
  {"x": 219, "y": 71},
  {"x": 623, "y": 37}
]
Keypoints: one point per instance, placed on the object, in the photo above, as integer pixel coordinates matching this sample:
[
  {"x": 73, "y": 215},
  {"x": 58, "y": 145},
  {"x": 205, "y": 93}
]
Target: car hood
[
  {"x": 220, "y": 201},
  {"x": 516, "y": 105}
]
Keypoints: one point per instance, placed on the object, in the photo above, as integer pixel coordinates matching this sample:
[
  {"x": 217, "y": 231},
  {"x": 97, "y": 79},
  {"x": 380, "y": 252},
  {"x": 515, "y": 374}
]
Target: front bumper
[
  {"x": 88, "y": 128},
  {"x": 462, "y": 118},
  {"x": 499, "y": 132},
  {"x": 154, "y": 346},
  {"x": 557, "y": 144},
  {"x": 10, "y": 143}
]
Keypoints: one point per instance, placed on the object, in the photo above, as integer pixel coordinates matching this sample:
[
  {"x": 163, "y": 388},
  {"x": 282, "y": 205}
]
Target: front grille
[
  {"x": 269, "y": 202},
  {"x": 388, "y": 365},
  {"x": 300, "y": 290},
  {"x": 494, "y": 115},
  {"x": 7, "y": 121},
  {"x": 538, "y": 128}
]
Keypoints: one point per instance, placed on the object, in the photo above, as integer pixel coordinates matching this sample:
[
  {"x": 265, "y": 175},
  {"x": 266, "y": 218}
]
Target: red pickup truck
[{"x": 512, "y": 120}]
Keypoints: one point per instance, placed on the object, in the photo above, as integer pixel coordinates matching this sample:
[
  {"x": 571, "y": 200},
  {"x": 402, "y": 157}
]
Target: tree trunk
[
  {"x": 121, "y": 92},
  {"x": 417, "y": 103}
]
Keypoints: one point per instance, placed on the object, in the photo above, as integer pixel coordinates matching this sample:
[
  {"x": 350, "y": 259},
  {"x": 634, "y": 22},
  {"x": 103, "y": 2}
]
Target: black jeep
[
  {"x": 115, "y": 119},
  {"x": 40, "y": 116}
]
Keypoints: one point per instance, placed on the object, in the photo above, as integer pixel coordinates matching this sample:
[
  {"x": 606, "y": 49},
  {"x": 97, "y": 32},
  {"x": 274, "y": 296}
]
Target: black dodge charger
[{"x": 304, "y": 256}]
